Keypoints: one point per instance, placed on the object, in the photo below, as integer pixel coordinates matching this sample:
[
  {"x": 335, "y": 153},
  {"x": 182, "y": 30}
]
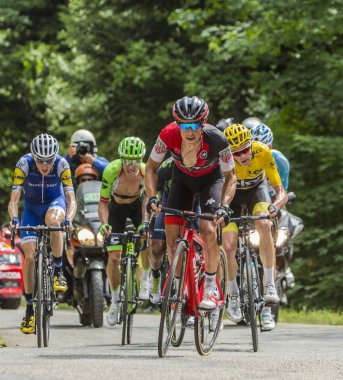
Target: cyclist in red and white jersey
[{"x": 203, "y": 164}]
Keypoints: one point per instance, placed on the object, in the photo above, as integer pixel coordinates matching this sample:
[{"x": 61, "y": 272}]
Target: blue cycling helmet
[{"x": 262, "y": 133}]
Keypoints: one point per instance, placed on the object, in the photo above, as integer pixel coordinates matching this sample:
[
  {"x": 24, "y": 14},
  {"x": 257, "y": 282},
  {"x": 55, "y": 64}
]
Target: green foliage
[{"x": 116, "y": 67}]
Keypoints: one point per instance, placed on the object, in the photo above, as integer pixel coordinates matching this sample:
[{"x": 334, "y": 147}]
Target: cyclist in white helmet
[{"x": 49, "y": 199}]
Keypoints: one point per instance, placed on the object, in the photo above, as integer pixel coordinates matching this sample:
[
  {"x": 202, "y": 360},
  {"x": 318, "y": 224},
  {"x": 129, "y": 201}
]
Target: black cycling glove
[
  {"x": 223, "y": 212},
  {"x": 151, "y": 201}
]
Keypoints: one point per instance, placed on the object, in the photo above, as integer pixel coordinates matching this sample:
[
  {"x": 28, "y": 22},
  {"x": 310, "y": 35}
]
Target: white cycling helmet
[
  {"x": 83, "y": 135},
  {"x": 44, "y": 147}
]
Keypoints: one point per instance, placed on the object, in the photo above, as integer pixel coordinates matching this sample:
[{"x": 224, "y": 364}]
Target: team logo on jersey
[
  {"x": 226, "y": 155},
  {"x": 64, "y": 164},
  {"x": 21, "y": 163},
  {"x": 203, "y": 154},
  {"x": 160, "y": 147},
  {"x": 18, "y": 177},
  {"x": 66, "y": 178},
  {"x": 255, "y": 172}
]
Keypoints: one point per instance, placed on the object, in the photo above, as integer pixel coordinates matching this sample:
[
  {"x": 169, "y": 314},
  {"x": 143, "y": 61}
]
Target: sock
[
  {"x": 233, "y": 288},
  {"x": 210, "y": 281},
  {"x": 29, "y": 302},
  {"x": 155, "y": 284},
  {"x": 145, "y": 274},
  {"x": 266, "y": 310},
  {"x": 269, "y": 276},
  {"x": 58, "y": 264},
  {"x": 115, "y": 295},
  {"x": 156, "y": 273}
]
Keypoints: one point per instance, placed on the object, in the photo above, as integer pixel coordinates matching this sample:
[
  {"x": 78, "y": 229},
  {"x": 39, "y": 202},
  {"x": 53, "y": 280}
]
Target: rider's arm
[
  {"x": 14, "y": 203},
  {"x": 275, "y": 180},
  {"x": 103, "y": 212},
  {"x": 100, "y": 164},
  {"x": 281, "y": 197},
  {"x": 71, "y": 204},
  {"x": 229, "y": 187},
  {"x": 151, "y": 177}
]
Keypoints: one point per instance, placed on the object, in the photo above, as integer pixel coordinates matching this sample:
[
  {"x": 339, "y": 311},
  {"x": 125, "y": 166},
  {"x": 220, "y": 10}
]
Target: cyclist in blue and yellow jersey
[
  {"x": 49, "y": 199},
  {"x": 83, "y": 150},
  {"x": 254, "y": 164},
  {"x": 122, "y": 196}
]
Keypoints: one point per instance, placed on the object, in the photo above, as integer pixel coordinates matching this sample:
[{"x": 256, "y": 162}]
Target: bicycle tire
[
  {"x": 180, "y": 326},
  {"x": 48, "y": 301},
  {"x": 125, "y": 304},
  {"x": 251, "y": 300},
  {"x": 170, "y": 305},
  {"x": 39, "y": 297},
  {"x": 133, "y": 286},
  {"x": 97, "y": 297},
  {"x": 203, "y": 324}
]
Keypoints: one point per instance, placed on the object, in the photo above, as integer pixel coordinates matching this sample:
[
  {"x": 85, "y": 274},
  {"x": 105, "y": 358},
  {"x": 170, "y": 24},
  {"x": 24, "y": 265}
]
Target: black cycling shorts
[
  {"x": 184, "y": 187},
  {"x": 119, "y": 213}
]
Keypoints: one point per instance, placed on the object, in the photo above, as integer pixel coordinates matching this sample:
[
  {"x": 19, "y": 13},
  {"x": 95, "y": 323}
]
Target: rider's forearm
[
  {"x": 151, "y": 178},
  {"x": 13, "y": 204},
  {"x": 145, "y": 215},
  {"x": 229, "y": 187},
  {"x": 281, "y": 197},
  {"x": 103, "y": 212},
  {"x": 72, "y": 206}
]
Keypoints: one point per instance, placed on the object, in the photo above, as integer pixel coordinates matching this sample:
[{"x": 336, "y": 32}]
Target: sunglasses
[
  {"x": 131, "y": 162},
  {"x": 44, "y": 161},
  {"x": 243, "y": 151},
  {"x": 192, "y": 126}
]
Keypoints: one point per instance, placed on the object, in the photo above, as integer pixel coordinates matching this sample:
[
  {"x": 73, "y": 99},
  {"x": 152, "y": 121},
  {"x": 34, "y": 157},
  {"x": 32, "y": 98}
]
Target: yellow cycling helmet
[{"x": 238, "y": 135}]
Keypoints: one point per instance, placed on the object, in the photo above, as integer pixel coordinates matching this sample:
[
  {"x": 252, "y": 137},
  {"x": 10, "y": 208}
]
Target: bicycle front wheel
[
  {"x": 48, "y": 301},
  {"x": 251, "y": 301},
  {"x": 208, "y": 325},
  {"x": 39, "y": 296},
  {"x": 172, "y": 301},
  {"x": 125, "y": 304},
  {"x": 134, "y": 291}
]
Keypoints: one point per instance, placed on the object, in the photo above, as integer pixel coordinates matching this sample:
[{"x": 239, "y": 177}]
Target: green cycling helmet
[{"x": 131, "y": 147}]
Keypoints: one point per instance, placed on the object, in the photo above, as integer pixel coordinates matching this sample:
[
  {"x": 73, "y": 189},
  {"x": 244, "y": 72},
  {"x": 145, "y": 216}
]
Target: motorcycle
[
  {"x": 285, "y": 230},
  {"x": 85, "y": 264}
]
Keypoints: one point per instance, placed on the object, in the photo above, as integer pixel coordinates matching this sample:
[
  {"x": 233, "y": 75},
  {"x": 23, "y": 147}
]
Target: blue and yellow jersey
[
  {"x": 262, "y": 166},
  {"x": 39, "y": 189}
]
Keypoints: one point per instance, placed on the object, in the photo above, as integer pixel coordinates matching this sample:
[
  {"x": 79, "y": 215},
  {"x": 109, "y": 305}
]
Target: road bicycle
[
  {"x": 44, "y": 295},
  {"x": 129, "y": 283},
  {"x": 181, "y": 295},
  {"x": 250, "y": 284}
]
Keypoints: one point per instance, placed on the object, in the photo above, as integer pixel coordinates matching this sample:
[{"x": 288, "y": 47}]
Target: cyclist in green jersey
[{"x": 122, "y": 196}]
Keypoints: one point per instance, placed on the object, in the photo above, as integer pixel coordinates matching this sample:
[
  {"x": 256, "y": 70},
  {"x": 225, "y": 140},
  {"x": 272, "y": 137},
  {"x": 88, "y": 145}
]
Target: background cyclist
[
  {"x": 122, "y": 196},
  {"x": 45, "y": 178}
]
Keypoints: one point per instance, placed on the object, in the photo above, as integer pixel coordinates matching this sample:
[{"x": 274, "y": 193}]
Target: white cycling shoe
[
  {"x": 234, "y": 311},
  {"x": 113, "y": 313},
  {"x": 268, "y": 322},
  {"x": 144, "y": 290},
  {"x": 270, "y": 294}
]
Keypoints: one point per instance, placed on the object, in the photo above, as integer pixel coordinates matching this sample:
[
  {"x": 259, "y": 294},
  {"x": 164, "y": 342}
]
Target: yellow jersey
[{"x": 262, "y": 165}]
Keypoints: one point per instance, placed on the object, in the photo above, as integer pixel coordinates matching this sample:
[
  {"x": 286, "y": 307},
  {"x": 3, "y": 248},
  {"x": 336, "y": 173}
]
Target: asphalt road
[{"x": 291, "y": 351}]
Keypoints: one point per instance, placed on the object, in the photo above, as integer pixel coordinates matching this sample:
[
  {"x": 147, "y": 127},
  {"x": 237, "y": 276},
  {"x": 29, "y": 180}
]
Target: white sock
[
  {"x": 145, "y": 274},
  {"x": 269, "y": 276},
  {"x": 210, "y": 282},
  {"x": 115, "y": 295},
  {"x": 233, "y": 288},
  {"x": 267, "y": 310}
]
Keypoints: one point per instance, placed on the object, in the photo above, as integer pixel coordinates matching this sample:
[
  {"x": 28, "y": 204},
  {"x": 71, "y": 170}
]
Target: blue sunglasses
[{"x": 192, "y": 126}]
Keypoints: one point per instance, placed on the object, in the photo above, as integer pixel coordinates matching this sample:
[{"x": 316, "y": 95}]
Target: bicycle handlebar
[{"x": 38, "y": 229}]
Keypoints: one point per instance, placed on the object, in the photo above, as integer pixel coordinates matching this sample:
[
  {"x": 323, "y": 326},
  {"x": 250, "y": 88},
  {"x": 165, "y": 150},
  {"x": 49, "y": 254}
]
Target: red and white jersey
[{"x": 214, "y": 151}]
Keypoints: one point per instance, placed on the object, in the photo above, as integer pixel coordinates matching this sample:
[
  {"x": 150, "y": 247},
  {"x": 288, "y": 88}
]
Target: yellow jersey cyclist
[
  {"x": 49, "y": 199},
  {"x": 122, "y": 196},
  {"x": 254, "y": 163}
]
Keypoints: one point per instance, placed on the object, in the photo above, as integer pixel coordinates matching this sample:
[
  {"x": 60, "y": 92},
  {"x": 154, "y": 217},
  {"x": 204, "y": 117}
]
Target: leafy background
[{"x": 116, "y": 67}]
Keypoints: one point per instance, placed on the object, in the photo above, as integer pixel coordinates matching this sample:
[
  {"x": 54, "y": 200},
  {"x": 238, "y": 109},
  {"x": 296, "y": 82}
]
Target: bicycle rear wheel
[
  {"x": 39, "y": 298},
  {"x": 125, "y": 304},
  {"x": 252, "y": 314},
  {"x": 172, "y": 301},
  {"x": 208, "y": 326}
]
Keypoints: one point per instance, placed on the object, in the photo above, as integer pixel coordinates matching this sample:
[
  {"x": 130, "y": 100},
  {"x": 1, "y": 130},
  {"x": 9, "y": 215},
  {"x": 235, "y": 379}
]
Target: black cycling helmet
[
  {"x": 252, "y": 122},
  {"x": 190, "y": 110},
  {"x": 224, "y": 123}
]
